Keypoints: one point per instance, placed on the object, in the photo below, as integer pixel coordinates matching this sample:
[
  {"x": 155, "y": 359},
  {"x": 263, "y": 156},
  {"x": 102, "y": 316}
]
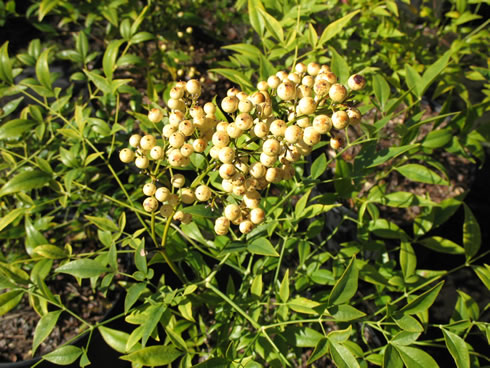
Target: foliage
[{"x": 329, "y": 275}]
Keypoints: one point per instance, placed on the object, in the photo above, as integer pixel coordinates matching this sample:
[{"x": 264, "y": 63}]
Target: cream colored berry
[
  {"x": 166, "y": 210},
  {"x": 273, "y": 175},
  {"x": 257, "y": 215},
  {"x": 262, "y": 86},
  {"x": 187, "y": 196},
  {"x": 176, "y": 140},
  {"x": 177, "y": 93},
  {"x": 222, "y": 222},
  {"x": 229, "y": 104},
  {"x": 293, "y": 154},
  {"x": 257, "y": 170},
  {"x": 268, "y": 160},
  {"x": 294, "y": 77},
  {"x": 187, "y": 150},
  {"x": 175, "y": 104},
  {"x": 287, "y": 171},
  {"x": 157, "y": 153},
  {"x": 155, "y": 115},
  {"x": 209, "y": 108},
  {"x": 354, "y": 115},
  {"x": 293, "y": 133},
  {"x": 286, "y": 91},
  {"x": 336, "y": 142},
  {"x": 246, "y": 226},
  {"x": 232, "y": 92},
  {"x": 282, "y": 75},
  {"x": 242, "y": 96},
  {"x": 142, "y": 162},
  {"x": 257, "y": 98},
  {"x": 149, "y": 189},
  {"x": 126, "y": 155},
  {"x": 162, "y": 194},
  {"x": 134, "y": 140},
  {"x": 220, "y": 139},
  {"x": 150, "y": 204},
  {"x": 261, "y": 129},
  {"x": 148, "y": 142},
  {"x": 199, "y": 145},
  {"x": 251, "y": 199},
  {"x": 304, "y": 91},
  {"x": 264, "y": 110},
  {"x": 193, "y": 86},
  {"x": 313, "y": 68},
  {"x": 245, "y": 106},
  {"x": 227, "y": 185},
  {"x": 186, "y": 127},
  {"x": 308, "y": 81},
  {"x": 226, "y": 171},
  {"x": 168, "y": 130},
  {"x": 175, "y": 118},
  {"x": 175, "y": 157},
  {"x": 244, "y": 121},
  {"x": 337, "y": 92},
  {"x": 214, "y": 152},
  {"x": 303, "y": 122},
  {"x": 273, "y": 81},
  {"x": 356, "y": 82},
  {"x": 233, "y": 130},
  {"x": 196, "y": 112},
  {"x": 203, "y": 193},
  {"x": 322, "y": 124},
  {"x": 271, "y": 147},
  {"x": 340, "y": 119},
  {"x": 306, "y": 106},
  {"x": 226, "y": 155},
  {"x": 178, "y": 181},
  {"x": 278, "y": 128},
  {"x": 321, "y": 87},
  {"x": 232, "y": 212},
  {"x": 300, "y": 68}
]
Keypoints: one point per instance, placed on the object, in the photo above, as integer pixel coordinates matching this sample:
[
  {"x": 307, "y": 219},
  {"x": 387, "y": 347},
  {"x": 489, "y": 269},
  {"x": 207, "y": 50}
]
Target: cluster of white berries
[{"x": 259, "y": 146}]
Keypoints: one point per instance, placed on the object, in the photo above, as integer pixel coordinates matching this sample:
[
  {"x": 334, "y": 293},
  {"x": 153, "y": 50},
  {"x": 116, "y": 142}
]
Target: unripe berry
[
  {"x": 336, "y": 142},
  {"x": 354, "y": 115},
  {"x": 257, "y": 98},
  {"x": 273, "y": 81},
  {"x": 175, "y": 104},
  {"x": 150, "y": 204},
  {"x": 293, "y": 133},
  {"x": 175, "y": 118},
  {"x": 278, "y": 128},
  {"x": 126, "y": 155},
  {"x": 162, "y": 194},
  {"x": 322, "y": 124},
  {"x": 227, "y": 185},
  {"x": 174, "y": 157},
  {"x": 303, "y": 122},
  {"x": 187, "y": 196},
  {"x": 307, "y": 106},
  {"x": 226, "y": 171},
  {"x": 203, "y": 193},
  {"x": 142, "y": 162},
  {"x": 209, "y": 108},
  {"x": 300, "y": 68},
  {"x": 220, "y": 139},
  {"x": 166, "y": 210},
  {"x": 214, "y": 152},
  {"x": 321, "y": 87},
  {"x": 356, "y": 82},
  {"x": 178, "y": 215},
  {"x": 273, "y": 175},
  {"x": 271, "y": 147},
  {"x": 233, "y": 130},
  {"x": 294, "y": 77},
  {"x": 155, "y": 115},
  {"x": 245, "y": 106},
  {"x": 178, "y": 181},
  {"x": 261, "y": 129},
  {"x": 232, "y": 212},
  {"x": 229, "y": 104},
  {"x": 149, "y": 189},
  {"x": 313, "y": 69},
  {"x": 257, "y": 215},
  {"x": 251, "y": 199},
  {"x": 257, "y": 170},
  {"x": 246, "y": 226},
  {"x": 308, "y": 81},
  {"x": 176, "y": 140},
  {"x": 156, "y": 153},
  {"x": 193, "y": 86},
  {"x": 186, "y": 127},
  {"x": 168, "y": 130},
  {"x": 226, "y": 155},
  {"x": 303, "y": 147},
  {"x": 244, "y": 121},
  {"x": 340, "y": 119},
  {"x": 286, "y": 91},
  {"x": 134, "y": 140},
  {"x": 221, "y": 225},
  {"x": 282, "y": 75},
  {"x": 337, "y": 92}
]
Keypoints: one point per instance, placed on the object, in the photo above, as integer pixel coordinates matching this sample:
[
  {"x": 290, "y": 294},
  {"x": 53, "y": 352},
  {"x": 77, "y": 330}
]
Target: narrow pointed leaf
[
  {"x": 42, "y": 69},
  {"x": 153, "y": 355},
  {"x": 5, "y": 66},
  {"x": 44, "y": 328},
  {"x": 335, "y": 27},
  {"x": 83, "y": 268},
  {"x": 64, "y": 355},
  {"x": 422, "y": 302},
  {"x": 471, "y": 233},
  {"x": 421, "y": 174},
  {"x": 342, "y": 357},
  {"x": 25, "y": 182},
  {"x": 346, "y": 287},
  {"x": 458, "y": 349},
  {"x": 415, "y": 358},
  {"x": 9, "y": 300}
]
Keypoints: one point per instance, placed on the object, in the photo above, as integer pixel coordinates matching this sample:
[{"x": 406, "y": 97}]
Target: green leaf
[
  {"x": 116, "y": 339},
  {"x": 408, "y": 260},
  {"x": 414, "y": 80},
  {"x": 284, "y": 287},
  {"x": 42, "y": 69},
  {"x": 345, "y": 313},
  {"x": 386, "y": 229},
  {"x": 257, "y": 284},
  {"x": 250, "y": 51},
  {"x": 272, "y": 25},
  {"x": 388, "y": 153},
  {"x": 263, "y": 247},
  {"x": 321, "y": 349},
  {"x": 423, "y": 301},
  {"x": 45, "y": 7},
  {"x": 44, "y": 328},
  {"x": 132, "y": 295},
  {"x": 483, "y": 272},
  {"x": 301, "y": 204},
  {"x": 152, "y": 316},
  {"x": 9, "y": 300},
  {"x": 414, "y": 357},
  {"x": 64, "y": 355},
  {"x": 153, "y": 355},
  {"x": 318, "y": 166},
  {"x": 381, "y": 90},
  {"x": 342, "y": 357},
  {"x": 434, "y": 70},
  {"x": 438, "y": 138},
  {"x": 303, "y": 305},
  {"x": 141, "y": 37},
  {"x": 103, "y": 223},
  {"x": 339, "y": 66},
  {"x": 422, "y": 174},
  {"x": 471, "y": 233},
  {"x": 234, "y": 76},
  {"x": 335, "y": 27},
  {"x": 13, "y": 129},
  {"x": 441, "y": 245},
  {"x": 25, "y": 181},
  {"x": 50, "y": 251},
  {"x": 109, "y": 59},
  {"x": 5, "y": 66},
  {"x": 256, "y": 21},
  {"x": 346, "y": 287},
  {"x": 407, "y": 323},
  {"x": 83, "y": 268},
  {"x": 405, "y": 338},
  {"x": 11, "y": 217},
  {"x": 391, "y": 358},
  {"x": 100, "y": 82},
  {"x": 458, "y": 349},
  {"x": 218, "y": 363}
]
